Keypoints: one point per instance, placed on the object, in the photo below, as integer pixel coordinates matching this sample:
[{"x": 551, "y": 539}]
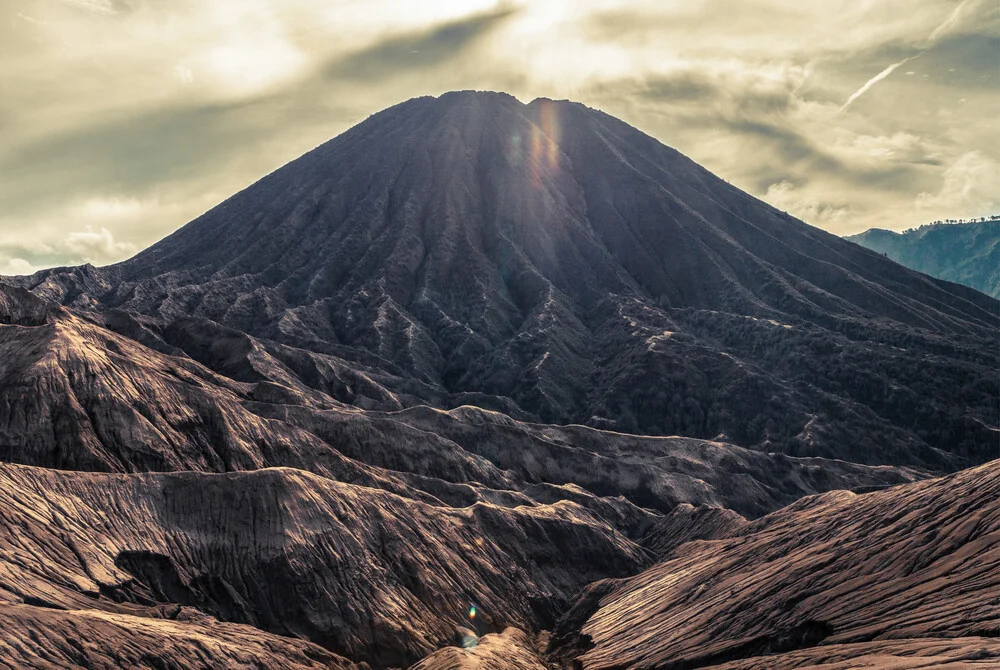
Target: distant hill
[{"x": 965, "y": 253}]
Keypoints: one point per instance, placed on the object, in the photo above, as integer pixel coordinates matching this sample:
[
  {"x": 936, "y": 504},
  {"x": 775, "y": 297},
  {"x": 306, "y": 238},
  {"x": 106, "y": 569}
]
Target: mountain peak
[{"x": 554, "y": 263}]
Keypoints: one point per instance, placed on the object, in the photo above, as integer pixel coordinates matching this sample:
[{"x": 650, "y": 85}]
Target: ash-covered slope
[
  {"x": 180, "y": 638},
  {"x": 402, "y": 519},
  {"x": 511, "y": 650},
  {"x": 553, "y": 263},
  {"x": 75, "y": 395},
  {"x": 367, "y": 574},
  {"x": 837, "y": 576}
]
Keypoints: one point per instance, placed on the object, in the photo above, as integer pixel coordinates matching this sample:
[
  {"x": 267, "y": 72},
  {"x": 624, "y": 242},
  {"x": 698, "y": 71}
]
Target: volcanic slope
[
  {"x": 366, "y": 574},
  {"x": 836, "y": 579},
  {"x": 178, "y": 639},
  {"x": 75, "y": 395},
  {"x": 402, "y": 519},
  {"x": 553, "y": 263}
]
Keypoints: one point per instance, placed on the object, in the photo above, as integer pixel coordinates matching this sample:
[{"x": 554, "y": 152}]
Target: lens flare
[
  {"x": 550, "y": 124},
  {"x": 472, "y": 612},
  {"x": 544, "y": 146}
]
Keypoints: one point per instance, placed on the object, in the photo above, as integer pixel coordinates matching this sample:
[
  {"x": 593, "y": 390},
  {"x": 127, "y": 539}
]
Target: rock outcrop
[
  {"x": 967, "y": 653},
  {"x": 184, "y": 639},
  {"x": 512, "y": 650},
  {"x": 895, "y": 570},
  {"x": 365, "y": 573}
]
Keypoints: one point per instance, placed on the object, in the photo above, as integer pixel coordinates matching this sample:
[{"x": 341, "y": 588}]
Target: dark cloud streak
[
  {"x": 141, "y": 152},
  {"x": 417, "y": 50}
]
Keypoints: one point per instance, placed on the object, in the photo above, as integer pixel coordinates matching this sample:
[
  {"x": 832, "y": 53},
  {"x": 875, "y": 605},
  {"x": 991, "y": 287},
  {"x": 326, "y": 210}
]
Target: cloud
[
  {"x": 971, "y": 185},
  {"x": 901, "y": 147},
  {"x": 730, "y": 87},
  {"x": 144, "y": 150},
  {"x": 103, "y": 229},
  {"x": 99, "y": 6},
  {"x": 418, "y": 49},
  {"x": 954, "y": 19},
  {"x": 961, "y": 12},
  {"x": 874, "y": 80},
  {"x": 16, "y": 266},
  {"x": 244, "y": 65},
  {"x": 97, "y": 246},
  {"x": 786, "y": 197},
  {"x": 132, "y": 154},
  {"x": 104, "y": 209}
]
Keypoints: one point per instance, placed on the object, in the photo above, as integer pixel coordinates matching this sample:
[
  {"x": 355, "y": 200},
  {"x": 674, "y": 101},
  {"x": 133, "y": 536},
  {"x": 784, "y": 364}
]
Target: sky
[{"x": 121, "y": 120}]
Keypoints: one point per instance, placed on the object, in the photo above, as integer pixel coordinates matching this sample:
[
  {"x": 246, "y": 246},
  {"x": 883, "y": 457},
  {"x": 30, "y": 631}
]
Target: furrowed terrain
[
  {"x": 516, "y": 358},
  {"x": 831, "y": 576}
]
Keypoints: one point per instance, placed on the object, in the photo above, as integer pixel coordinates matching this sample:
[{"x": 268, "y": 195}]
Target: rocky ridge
[{"x": 917, "y": 562}]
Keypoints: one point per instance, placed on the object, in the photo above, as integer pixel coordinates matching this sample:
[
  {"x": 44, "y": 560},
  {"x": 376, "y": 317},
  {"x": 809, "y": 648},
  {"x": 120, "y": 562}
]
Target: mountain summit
[{"x": 552, "y": 262}]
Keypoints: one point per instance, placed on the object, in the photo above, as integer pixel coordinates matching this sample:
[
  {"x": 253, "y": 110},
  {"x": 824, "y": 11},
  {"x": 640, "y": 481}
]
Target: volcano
[
  {"x": 550, "y": 262},
  {"x": 516, "y": 357}
]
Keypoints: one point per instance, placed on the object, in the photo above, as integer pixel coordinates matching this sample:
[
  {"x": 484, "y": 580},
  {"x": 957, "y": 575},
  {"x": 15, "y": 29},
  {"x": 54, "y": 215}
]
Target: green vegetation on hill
[{"x": 965, "y": 252}]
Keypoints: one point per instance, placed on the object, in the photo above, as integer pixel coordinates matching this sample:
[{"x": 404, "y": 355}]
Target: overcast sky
[{"x": 121, "y": 120}]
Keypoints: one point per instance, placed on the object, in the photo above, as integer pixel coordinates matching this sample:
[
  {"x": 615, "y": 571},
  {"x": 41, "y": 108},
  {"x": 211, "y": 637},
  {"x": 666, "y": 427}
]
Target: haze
[{"x": 120, "y": 120}]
